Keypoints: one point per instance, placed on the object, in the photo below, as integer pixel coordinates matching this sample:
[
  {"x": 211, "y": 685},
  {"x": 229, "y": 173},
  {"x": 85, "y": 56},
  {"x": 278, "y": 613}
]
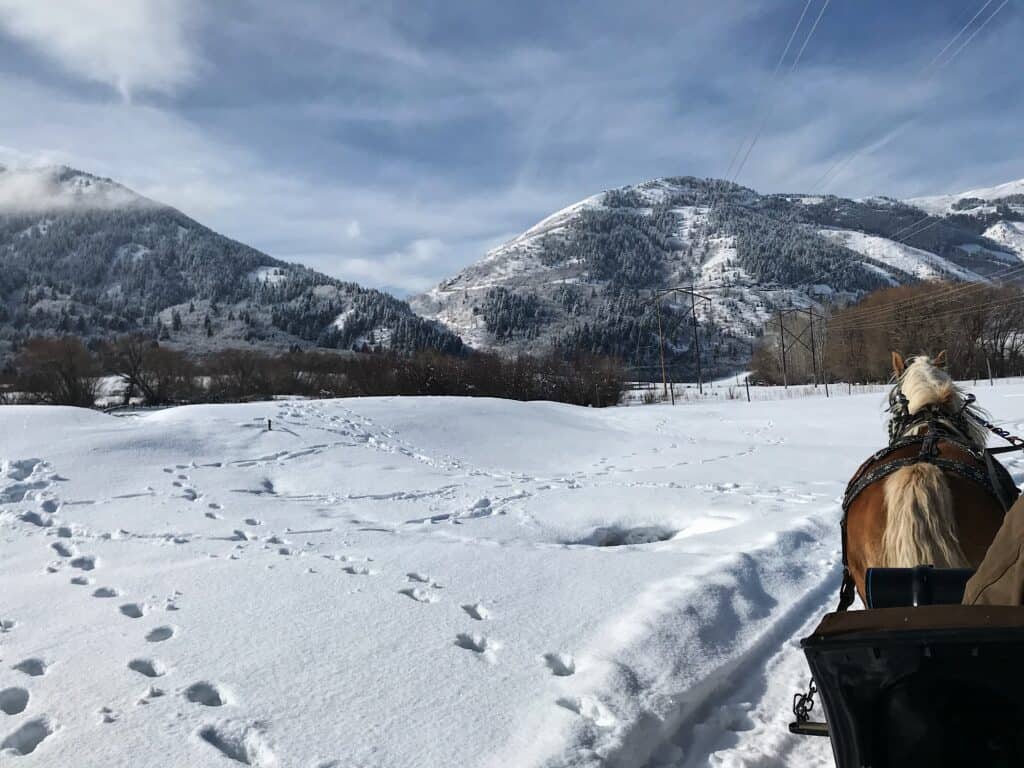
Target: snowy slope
[
  {"x": 913, "y": 261},
  {"x": 1009, "y": 234},
  {"x": 417, "y": 582},
  {"x": 942, "y": 204}
]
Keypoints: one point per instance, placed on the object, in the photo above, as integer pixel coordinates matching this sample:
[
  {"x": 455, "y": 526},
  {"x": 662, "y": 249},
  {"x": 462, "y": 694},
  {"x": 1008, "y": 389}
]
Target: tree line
[
  {"x": 64, "y": 371},
  {"x": 981, "y": 327}
]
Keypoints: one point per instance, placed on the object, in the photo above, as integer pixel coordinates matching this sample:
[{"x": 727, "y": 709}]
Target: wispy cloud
[
  {"x": 129, "y": 44},
  {"x": 394, "y": 142}
]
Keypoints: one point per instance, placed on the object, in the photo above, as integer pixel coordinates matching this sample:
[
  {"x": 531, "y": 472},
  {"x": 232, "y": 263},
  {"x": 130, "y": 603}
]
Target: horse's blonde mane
[{"x": 924, "y": 384}]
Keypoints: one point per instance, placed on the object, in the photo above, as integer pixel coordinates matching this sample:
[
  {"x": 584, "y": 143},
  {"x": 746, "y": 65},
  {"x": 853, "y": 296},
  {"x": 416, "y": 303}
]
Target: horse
[{"x": 934, "y": 496}]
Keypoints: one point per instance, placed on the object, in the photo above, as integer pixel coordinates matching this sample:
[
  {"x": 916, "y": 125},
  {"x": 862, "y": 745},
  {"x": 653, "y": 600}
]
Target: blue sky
[{"x": 392, "y": 143}]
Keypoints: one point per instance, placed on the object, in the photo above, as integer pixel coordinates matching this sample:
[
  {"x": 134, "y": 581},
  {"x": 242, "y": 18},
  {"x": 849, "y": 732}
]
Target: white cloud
[
  {"x": 353, "y": 230},
  {"x": 43, "y": 188},
  {"x": 132, "y": 45}
]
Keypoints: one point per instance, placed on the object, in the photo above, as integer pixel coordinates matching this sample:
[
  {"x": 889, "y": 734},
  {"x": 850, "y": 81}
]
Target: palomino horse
[{"x": 934, "y": 496}]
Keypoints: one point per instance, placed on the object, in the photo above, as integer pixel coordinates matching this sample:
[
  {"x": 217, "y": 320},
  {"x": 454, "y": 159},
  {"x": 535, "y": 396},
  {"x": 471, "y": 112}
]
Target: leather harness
[{"x": 979, "y": 467}]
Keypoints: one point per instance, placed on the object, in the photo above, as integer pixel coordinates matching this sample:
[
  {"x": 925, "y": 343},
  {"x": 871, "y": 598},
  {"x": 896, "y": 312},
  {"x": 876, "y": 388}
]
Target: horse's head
[{"x": 922, "y": 387}]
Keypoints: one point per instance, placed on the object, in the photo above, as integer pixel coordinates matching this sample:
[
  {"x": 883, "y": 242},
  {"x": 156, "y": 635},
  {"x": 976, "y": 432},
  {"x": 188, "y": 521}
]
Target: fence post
[{"x": 747, "y": 382}]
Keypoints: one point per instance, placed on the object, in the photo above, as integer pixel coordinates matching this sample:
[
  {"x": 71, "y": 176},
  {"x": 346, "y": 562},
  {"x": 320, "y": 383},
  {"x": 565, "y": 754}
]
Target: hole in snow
[{"x": 617, "y": 536}]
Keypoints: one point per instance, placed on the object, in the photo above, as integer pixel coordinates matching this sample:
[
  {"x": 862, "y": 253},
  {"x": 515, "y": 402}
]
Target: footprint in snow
[
  {"x": 481, "y": 645},
  {"x": 132, "y": 610},
  {"x": 106, "y": 592},
  {"x": 419, "y": 595},
  {"x": 6, "y": 625},
  {"x": 160, "y": 634},
  {"x": 26, "y": 738},
  {"x": 33, "y": 667},
  {"x": 589, "y": 708},
  {"x": 107, "y": 715},
  {"x": 13, "y": 700},
  {"x": 420, "y": 578},
  {"x": 560, "y": 664},
  {"x": 81, "y": 581},
  {"x": 84, "y": 563},
  {"x": 62, "y": 550},
  {"x": 476, "y": 611},
  {"x": 147, "y": 667},
  {"x": 207, "y": 694},
  {"x": 358, "y": 570},
  {"x": 240, "y": 742}
]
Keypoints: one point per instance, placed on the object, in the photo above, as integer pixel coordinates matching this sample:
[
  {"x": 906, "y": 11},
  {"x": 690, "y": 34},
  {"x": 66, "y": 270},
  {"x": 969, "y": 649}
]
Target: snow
[
  {"x": 942, "y": 204},
  {"x": 914, "y": 261},
  {"x": 271, "y": 275},
  {"x": 416, "y": 581},
  {"x": 36, "y": 188},
  {"x": 1009, "y": 234}
]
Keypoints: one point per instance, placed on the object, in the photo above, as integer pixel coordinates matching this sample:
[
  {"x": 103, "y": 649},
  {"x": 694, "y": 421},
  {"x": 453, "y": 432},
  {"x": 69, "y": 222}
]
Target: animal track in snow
[
  {"x": 147, "y": 667},
  {"x": 62, "y": 549},
  {"x": 419, "y": 595},
  {"x": 358, "y": 570},
  {"x": 476, "y": 611},
  {"x": 420, "y": 578},
  {"x": 151, "y": 693},
  {"x": 13, "y": 700},
  {"x": 244, "y": 744},
  {"x": 81, "y": 581},
  {"x": 588, "y": 708},
  {"x": 478, "y": 644},
  {"x": 133, "y": 610},
  {"x": 106, "y": 592},
  {"x": 6, "y": 625},
  {"x": 84, "y": 563},
  {"x": 107, "y": 715},
  {"x": 207, "y": 694},
  {"x": 30, "y": 735},
  {"x": 560, "y": 664},
  {"x": 159, "y": 634},
  {"x": 33, "y": 667},
  {"x": 34, "y": 518},
  {"x": 252, "y": 521}
]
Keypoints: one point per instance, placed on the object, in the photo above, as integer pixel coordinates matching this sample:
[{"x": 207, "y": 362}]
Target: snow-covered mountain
[
  {"x": 85, "y": 255},
  {"x": 584, "y": 278}
]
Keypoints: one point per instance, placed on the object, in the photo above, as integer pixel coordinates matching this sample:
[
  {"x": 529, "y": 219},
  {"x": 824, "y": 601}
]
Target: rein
[
  {"x": 1015, "y": 443},
  {"x": 952, "y": 428}
]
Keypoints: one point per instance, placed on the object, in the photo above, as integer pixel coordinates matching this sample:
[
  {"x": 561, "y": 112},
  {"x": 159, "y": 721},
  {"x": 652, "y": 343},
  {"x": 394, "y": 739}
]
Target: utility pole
[
  {"x": 696, "y": 339},
  {"x": 782, "y": 346},
  {"x": 696, "y": 336},
  {"x": 661, "y": 349},
  {"x": 814, "y": 354}
]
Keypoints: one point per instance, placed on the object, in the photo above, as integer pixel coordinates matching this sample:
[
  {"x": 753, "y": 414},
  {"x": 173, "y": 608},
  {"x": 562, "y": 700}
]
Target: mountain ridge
[
  {"x": 583, "y": 277},
  {"x": 88, "y": 256}
]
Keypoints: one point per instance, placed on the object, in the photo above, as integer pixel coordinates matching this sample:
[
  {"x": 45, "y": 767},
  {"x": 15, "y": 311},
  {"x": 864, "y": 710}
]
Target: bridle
[{"x": 927, "y": 428}]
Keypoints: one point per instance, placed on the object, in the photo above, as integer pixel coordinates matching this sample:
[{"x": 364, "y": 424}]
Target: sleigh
[{"x": 921, "y": 681}]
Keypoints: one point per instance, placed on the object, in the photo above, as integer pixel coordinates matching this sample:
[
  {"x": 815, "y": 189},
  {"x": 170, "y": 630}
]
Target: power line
[
  {"x": 836, "y": 168},
  {"x": 1003, "y": 303},
  {"x": 764, "y": 121},
  {"x": 775, "y": 75}
]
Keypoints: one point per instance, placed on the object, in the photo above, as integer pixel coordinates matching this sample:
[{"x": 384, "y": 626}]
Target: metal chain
[{"x": 803, "y": 703}]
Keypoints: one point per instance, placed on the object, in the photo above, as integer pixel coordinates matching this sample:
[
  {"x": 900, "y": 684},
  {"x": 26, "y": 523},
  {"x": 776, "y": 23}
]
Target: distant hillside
[
  {"x": 85, "y": 255},
  {"x": 584, "y": 277}
]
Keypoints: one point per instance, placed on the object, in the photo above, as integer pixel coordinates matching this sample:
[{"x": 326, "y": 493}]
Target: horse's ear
[
  {"x": 940, "y": 360},
  {"x": 898, "y": 366}
]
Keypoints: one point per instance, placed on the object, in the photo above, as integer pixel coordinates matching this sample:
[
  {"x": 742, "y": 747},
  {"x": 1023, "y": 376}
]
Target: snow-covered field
[{"x": 425, "y": 582}]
